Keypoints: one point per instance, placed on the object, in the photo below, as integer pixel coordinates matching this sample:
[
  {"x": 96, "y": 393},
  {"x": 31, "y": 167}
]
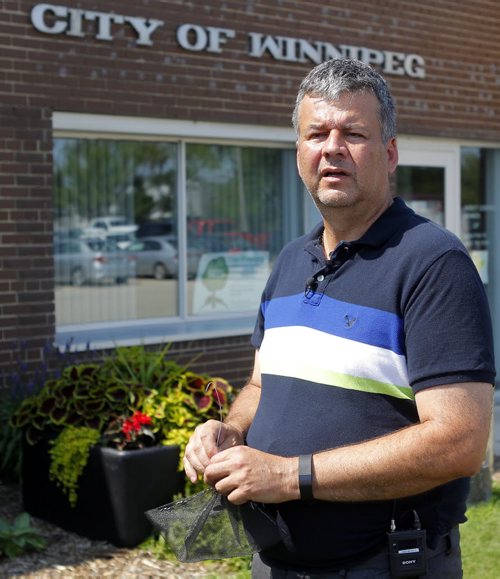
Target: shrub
[{"x": 18, "y": 537}]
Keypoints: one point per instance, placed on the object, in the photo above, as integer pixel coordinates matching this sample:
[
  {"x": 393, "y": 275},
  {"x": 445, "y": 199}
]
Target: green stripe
[{"x": 331, "y": 378}]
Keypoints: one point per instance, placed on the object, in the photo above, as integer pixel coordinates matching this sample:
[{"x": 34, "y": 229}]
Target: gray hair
[{"x": 331, "y": 79}]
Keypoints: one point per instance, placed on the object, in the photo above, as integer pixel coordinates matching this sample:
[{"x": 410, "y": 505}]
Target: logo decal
[{"x": 349, "y": 321}]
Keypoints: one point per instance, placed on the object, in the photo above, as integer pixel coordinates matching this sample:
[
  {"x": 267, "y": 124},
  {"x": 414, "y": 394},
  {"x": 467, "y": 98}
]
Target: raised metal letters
[{"x": 53, "y": 19}]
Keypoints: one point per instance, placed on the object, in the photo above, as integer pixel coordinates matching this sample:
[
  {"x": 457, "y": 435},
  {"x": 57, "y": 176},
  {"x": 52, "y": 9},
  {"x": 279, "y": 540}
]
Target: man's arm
[
  {"x": 449, "y": 442},
  {"x": 203, "y": 444}
]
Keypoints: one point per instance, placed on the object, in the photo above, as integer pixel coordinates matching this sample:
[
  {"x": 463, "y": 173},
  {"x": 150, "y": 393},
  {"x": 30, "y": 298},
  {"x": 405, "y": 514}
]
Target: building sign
[{"x": 54, "y": 19}]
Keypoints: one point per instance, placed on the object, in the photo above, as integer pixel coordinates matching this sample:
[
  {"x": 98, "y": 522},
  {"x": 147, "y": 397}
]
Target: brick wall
[
  {"x": 26, "y": 274},
  {"x": 460, "y": 97},
  {"x": 39, "y": 73}
]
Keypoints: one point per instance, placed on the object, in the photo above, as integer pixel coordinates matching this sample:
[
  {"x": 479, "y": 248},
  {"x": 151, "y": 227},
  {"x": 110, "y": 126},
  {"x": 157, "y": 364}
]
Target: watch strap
[{"x": 305, "y": 477}]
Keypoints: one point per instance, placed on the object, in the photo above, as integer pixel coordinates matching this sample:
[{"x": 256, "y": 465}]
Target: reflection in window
[
  {"x": 422, "y": 188},
  {"x": 118, "y": 251},
  {"x": 478, "y": 206},
  {"x": 480, "y": 180},
  {"x": 107, "y": 192},
  {"x": 235, "y": 222}
]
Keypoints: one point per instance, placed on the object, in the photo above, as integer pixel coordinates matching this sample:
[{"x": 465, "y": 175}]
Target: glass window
[
  {"x": 422, "y": 188},
  {"x": 153, "y": 244},
  {"x": 234, "y": 224},
  {"x": 480, "y": 183},
  {"x": 104, "y": 190}
]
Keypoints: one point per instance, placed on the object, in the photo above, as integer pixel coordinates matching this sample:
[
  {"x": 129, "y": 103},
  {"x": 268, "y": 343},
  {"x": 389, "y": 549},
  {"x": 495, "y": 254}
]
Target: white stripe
[{"x": 318, "y": 349}]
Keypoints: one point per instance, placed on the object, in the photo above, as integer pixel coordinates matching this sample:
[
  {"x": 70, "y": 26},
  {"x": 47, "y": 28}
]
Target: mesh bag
[{"x": 207, "y": 526}]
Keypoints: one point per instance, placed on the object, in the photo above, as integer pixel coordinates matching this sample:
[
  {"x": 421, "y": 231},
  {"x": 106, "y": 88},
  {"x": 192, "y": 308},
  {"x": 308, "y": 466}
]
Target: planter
[{"x": 115, "y": 489}]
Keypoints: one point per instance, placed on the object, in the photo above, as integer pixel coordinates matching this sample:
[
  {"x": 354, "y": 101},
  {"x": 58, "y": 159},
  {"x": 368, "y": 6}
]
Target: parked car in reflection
[
  {"x": 123, "y": 240},
  {"x": 90, "y": 261},
  {"x": 111, "y": 225},
  {"x": 155, "y": 227},
  {"x": 154, "y": 257},
  {"x": 158, "y": 257}
]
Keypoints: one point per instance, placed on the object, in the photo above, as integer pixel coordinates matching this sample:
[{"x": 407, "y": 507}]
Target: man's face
[{"x": 340, "y": 154}]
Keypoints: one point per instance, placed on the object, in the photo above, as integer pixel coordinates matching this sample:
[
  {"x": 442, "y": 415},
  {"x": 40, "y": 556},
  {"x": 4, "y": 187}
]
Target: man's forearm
[
  {"x": 415, "y": 459},
  {"x": 244, "y": 408},
  {"x": 386, "y": 468}
]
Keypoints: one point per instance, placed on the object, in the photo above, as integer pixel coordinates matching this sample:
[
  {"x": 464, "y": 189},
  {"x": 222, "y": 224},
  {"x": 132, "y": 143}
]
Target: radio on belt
[{"x": 407, "y": 550}]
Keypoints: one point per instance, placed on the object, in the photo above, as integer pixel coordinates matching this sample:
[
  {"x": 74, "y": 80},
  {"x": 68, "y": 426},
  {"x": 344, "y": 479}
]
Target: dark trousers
[{"x": 443, "y": 562}]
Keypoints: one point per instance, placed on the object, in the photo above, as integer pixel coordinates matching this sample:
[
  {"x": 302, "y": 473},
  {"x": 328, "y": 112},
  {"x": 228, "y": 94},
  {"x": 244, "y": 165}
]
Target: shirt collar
[{"x": 377, "y": 235}]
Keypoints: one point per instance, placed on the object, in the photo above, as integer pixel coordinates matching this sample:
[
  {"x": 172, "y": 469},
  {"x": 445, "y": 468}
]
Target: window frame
[{"x": 110, "y": 334}]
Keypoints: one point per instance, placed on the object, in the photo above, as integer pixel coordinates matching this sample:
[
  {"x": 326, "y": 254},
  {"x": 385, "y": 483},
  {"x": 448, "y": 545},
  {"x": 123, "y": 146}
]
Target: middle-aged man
[{"x": 370, "y": 401}]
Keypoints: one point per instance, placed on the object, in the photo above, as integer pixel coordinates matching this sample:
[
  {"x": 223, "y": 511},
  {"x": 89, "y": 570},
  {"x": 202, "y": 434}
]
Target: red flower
[{"x": 132, "y": 426}]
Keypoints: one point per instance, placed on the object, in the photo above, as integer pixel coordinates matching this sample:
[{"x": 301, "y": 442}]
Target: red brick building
[{"x": 175, "y": 117}]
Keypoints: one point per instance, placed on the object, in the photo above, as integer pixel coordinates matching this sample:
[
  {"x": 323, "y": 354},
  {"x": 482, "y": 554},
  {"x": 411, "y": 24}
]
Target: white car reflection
[
  {"x": 158, "y": 257},
  {"x": 90, "y": 261}
]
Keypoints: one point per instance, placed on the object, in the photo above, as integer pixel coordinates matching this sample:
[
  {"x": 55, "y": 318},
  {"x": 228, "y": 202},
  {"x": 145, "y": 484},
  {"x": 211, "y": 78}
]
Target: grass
[
  {"x": 235, "y": 568},
  {"x": 479, "y": 543},
  {"x": 480, "y": 539}
]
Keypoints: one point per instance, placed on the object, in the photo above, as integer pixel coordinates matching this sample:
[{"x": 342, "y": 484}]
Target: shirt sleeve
[{"x": 448, "y": 333}]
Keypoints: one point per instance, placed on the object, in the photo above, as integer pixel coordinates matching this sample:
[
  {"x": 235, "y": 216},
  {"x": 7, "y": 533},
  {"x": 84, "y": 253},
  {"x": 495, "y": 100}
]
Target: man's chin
[{"x": 334, "y": 198}]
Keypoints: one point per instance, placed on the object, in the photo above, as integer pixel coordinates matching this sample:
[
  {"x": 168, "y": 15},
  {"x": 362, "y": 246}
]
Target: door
[{"x": 428, "y": 179}]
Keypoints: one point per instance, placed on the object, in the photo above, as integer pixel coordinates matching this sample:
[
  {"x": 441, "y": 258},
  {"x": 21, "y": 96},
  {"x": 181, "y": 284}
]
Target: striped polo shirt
[{"x": 344, "y": 344}]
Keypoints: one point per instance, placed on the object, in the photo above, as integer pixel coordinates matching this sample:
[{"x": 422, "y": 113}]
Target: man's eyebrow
[{"x": 317, "y": 126}]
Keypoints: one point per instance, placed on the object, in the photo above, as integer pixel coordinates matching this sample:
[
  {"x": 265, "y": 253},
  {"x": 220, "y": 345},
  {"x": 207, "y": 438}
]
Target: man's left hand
[{"x": 246, "y": 474}]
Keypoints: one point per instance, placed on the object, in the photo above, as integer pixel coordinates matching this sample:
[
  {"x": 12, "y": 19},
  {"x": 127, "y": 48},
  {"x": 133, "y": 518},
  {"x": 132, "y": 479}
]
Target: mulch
[{"x": 69, "y": 555}]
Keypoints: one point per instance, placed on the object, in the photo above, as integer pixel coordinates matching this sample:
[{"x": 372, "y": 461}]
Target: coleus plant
[{"x": 104, "y": 395}]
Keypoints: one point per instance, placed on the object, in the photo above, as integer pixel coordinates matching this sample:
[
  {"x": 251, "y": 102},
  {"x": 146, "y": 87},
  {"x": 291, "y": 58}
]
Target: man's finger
[{"x": 190, "y": 471}]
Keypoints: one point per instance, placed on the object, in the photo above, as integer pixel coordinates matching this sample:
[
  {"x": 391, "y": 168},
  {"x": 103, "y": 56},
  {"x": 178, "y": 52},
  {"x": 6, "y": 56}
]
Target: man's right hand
[{"x": 203, "y": 445}]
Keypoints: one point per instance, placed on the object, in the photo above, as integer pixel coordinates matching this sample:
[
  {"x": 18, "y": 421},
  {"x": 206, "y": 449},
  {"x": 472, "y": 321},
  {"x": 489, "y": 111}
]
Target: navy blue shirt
[{"x": 344, "y": 344}]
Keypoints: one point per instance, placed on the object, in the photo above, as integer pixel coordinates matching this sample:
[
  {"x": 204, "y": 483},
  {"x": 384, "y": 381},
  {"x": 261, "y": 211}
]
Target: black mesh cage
[{"x": 207, "y": 526}]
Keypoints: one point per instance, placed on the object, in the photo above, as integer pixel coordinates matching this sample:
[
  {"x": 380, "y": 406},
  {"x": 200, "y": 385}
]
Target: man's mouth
[{"x": 332, "y": 172}]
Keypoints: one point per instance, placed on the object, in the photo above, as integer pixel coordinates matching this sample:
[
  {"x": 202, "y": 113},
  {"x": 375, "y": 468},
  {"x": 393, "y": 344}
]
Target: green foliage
[
  {"x": 19, "y": 537},
  {"x": 139, "y": 366},
  {"x": 108, "y": 393},
  {"x": 25, "y": 380},
  {"x": 10, "y": 438},
  {"x": 131, "y": 171},
  {"x": 236, "y": 567},
  {"x": 69, "y": 455},
  {"x": 479, "y": 538}
]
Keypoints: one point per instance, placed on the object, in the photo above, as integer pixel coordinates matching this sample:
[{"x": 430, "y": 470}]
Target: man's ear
[{"x": 392, "y": 155}]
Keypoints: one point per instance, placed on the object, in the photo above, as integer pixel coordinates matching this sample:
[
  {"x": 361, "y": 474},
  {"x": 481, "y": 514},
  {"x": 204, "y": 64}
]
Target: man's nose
[{"x": 334, "y": 144}]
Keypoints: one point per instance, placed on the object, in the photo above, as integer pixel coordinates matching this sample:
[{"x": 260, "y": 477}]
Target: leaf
[
  {"x": 36, "y": 542},
  {"x": 11, "y": 550},
  {"x": 48, "y": 405},
  {"x": 22, "y": 522},
  {"x": 33, "y": 435}
]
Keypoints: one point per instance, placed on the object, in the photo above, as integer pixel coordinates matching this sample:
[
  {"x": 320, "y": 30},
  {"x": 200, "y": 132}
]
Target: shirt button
[{"x": 320, "y": 277}]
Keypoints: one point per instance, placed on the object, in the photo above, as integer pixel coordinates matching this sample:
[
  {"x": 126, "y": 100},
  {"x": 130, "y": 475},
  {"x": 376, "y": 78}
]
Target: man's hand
[
  {"x": 244, "y": 474},
  {"x": 202, "y": 446}
]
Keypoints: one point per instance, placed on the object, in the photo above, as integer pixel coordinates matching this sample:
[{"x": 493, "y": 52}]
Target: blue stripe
[{"x": 353, "y": 322}]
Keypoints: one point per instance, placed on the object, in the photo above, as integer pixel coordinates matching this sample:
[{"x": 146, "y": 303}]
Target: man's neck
[{"x": 344, "y": 225}]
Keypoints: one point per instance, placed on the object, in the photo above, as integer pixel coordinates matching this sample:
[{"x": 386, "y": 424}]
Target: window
[
  {"x": 423, "y": 188},
  {"x": 174, "y": 239},
  {"x": 480, "y": 178}
]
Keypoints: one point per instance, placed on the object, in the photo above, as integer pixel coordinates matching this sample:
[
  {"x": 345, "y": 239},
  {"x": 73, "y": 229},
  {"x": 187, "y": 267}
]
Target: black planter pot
[{"x": 115, "y": 489}]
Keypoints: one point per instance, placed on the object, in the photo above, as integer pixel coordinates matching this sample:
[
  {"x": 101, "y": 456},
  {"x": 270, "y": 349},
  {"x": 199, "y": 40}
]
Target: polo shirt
[{"x": 344, "y": 344}]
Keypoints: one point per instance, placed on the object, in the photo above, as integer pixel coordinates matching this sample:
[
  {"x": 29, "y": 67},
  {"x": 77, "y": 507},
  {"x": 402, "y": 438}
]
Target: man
[{"x": 373, "y": 370}]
